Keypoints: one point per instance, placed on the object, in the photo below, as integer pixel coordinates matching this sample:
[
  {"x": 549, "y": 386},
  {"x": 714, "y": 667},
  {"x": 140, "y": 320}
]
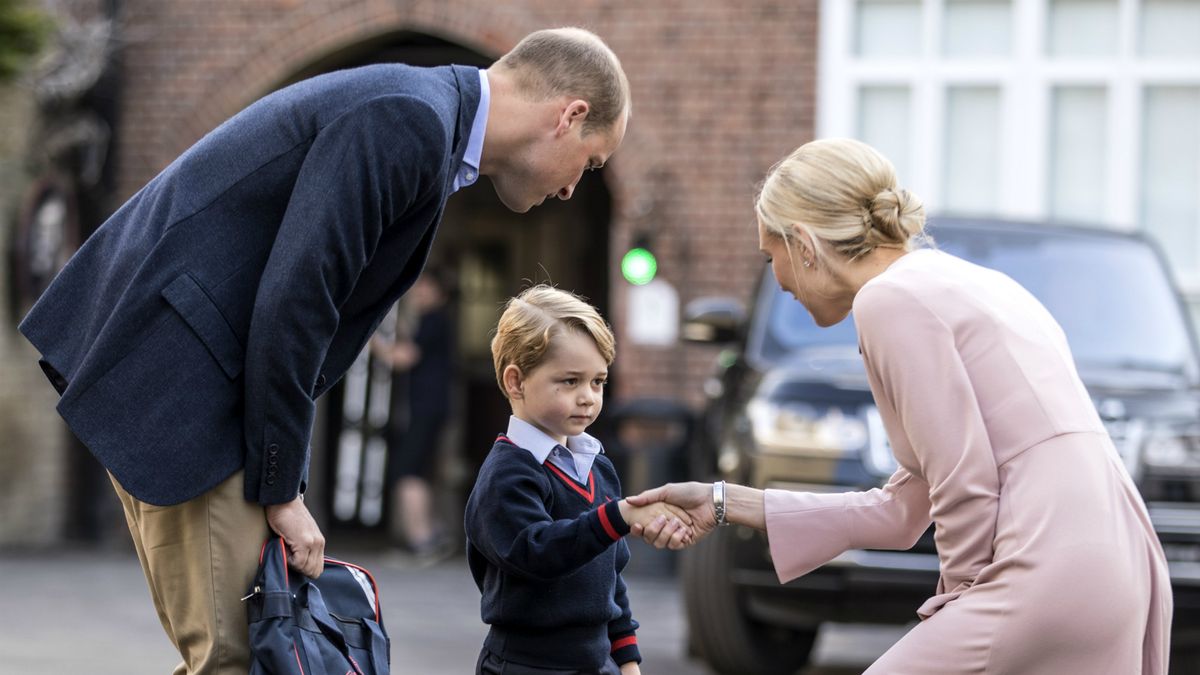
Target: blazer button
[{"x": 320, "y": 380}]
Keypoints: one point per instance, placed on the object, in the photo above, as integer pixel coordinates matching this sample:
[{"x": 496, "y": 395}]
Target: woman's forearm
[{"x": 744, "y": 506}]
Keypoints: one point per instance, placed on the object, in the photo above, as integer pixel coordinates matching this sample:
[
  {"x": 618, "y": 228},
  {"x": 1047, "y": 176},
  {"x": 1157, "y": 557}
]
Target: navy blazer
[{"x": 190, "y": 335}]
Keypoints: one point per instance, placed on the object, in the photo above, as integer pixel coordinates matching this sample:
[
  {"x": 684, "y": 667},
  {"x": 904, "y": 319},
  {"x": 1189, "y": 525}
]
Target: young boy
[{"x": 545, "y": 520}]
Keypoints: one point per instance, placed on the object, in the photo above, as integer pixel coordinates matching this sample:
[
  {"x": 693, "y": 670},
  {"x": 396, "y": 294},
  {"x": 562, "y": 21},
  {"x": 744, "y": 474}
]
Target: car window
[
  {"x": 1111, "y": 296},
  {"x": 791, "y": 327}
]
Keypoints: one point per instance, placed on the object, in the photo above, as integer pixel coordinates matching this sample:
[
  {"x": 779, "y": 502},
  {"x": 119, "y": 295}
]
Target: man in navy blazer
[{"x": 191, "y": 334}]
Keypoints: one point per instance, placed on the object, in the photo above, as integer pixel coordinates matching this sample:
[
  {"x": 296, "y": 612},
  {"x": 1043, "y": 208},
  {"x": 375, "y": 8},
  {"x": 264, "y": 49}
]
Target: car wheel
[{"x": 719, "y": 631}]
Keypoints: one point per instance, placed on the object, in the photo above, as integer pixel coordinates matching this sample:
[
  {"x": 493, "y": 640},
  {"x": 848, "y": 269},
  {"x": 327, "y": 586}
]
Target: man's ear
[
  {"x": 574, "y": 113},
  {"x": 514, "y": 382}
]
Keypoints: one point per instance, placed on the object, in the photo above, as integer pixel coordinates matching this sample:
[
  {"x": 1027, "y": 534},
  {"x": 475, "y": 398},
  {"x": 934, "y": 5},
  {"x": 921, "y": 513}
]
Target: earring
[{"x": 808, "y": 263}]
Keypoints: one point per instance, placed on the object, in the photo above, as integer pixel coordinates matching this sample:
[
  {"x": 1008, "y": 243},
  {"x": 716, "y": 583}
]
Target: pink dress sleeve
[
  {"x": 806, "y": 530},
  {"x": 918, "y": 375}
]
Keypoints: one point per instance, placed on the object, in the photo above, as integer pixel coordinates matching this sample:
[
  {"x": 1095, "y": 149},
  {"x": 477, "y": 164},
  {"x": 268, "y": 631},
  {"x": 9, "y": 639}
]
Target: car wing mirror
[{"x": 713, "y": 320}]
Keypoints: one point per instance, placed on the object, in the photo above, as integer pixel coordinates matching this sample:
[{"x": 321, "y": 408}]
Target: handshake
[{"x": 674, "y": 516}]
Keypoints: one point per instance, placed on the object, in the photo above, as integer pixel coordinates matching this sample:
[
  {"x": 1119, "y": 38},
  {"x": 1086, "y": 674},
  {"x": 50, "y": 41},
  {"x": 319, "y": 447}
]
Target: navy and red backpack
[{"x": 332, "y": 625}]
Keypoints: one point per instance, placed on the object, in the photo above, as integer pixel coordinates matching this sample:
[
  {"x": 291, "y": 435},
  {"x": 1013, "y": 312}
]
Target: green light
[
  {"x": 727, "y": 358},
  {"x": 639, "y": 266}
]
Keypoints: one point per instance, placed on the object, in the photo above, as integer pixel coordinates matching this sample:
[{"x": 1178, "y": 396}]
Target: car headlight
[
  {"x": 803, "y": 428},
  {"x": 877, "y": 456},
  {"x": 1167, "y": 450}
]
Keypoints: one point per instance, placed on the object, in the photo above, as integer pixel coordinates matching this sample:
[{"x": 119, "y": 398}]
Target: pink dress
[{"x": 1049, "y": 563}]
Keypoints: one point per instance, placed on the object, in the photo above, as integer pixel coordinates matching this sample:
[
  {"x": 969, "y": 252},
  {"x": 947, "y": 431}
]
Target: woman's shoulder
[
  {"x": 923, "y": 284},
  {"x": 889, "y": 294},
  {"x": 922, "y": 278}
]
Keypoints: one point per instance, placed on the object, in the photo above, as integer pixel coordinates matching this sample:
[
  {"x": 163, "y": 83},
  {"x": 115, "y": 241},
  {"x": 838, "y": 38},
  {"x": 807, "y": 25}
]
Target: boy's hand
[
  {"x": 673, "y": 520},
  {"x": 630, "y": 668}
]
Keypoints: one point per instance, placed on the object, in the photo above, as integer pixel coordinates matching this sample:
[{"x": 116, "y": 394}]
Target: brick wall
[{"x": 721, "y": 91}]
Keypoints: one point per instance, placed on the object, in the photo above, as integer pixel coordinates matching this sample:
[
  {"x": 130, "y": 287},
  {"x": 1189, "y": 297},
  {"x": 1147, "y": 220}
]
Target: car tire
[{"x": 719, "y": 632}]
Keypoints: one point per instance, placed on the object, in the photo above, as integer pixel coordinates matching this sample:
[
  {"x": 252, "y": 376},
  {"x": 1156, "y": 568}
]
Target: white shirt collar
[
  {"x": 468, "y": 172},
  {"x": 583, "y": 447}
]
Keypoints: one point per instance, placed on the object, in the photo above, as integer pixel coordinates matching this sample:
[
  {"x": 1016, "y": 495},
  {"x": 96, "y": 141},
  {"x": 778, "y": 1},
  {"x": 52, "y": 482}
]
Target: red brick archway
[{"x": 302, "y": 39}]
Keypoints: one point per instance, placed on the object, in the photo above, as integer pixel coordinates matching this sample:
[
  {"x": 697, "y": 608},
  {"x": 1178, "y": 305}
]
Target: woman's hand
[{"x": 694, "y": 498}]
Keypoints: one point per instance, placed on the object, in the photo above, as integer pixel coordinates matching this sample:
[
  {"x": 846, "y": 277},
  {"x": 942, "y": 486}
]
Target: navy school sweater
[{"x": 546, "y": 553}]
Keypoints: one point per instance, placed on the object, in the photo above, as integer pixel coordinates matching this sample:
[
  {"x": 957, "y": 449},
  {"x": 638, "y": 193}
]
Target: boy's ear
[{"x": 513, "y": 382}]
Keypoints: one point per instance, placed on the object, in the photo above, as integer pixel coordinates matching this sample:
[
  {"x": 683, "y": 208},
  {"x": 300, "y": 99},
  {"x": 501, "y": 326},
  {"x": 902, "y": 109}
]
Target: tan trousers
[{"x": 200, "y": 558}]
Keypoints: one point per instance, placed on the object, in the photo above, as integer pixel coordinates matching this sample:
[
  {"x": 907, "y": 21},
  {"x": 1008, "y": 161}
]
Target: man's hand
[
  {"x": 694, "y": 498},
  {"x": 306, "y": 544}
]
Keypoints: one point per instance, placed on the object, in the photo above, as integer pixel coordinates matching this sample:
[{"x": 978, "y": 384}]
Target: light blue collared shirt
[
  {"x": 468, "y": 172},
  {"x": 576, "y": 459}
]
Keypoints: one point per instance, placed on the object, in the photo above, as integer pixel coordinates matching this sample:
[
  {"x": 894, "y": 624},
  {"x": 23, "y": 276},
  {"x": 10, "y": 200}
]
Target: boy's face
[{"x": 564, "y": 394}]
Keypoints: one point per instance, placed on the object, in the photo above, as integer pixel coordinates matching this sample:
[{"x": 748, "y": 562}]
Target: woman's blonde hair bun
[{"x": 843, "y": 193}]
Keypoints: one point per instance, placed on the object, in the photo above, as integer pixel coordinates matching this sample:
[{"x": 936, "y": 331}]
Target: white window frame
[{"x": 1026, "y": 79}]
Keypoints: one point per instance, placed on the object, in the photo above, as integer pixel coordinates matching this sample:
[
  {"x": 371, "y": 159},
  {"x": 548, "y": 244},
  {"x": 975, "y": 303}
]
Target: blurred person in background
[{"x": 422, "y": 358}]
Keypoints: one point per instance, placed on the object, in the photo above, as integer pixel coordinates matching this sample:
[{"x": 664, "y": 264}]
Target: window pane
[
  {"x": 1082, "y": 28},
  {"x": 972, "y": 156},
  {"x": 1171, "y": 173},
  {"x": 1170, "y": 28},
  {"x": 1077, "y": 158},
  {"x": 888, "y": 28},
  {"x": 883, "y": 123},
  {"x": 977, "y": 28}
]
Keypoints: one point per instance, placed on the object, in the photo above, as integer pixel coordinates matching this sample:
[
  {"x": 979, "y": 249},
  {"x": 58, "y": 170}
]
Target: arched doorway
[{"x": 490, "y": 254}]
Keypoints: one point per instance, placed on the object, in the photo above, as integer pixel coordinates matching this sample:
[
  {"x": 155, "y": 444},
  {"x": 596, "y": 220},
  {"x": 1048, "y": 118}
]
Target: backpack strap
[{"x": 309, "y": 596}]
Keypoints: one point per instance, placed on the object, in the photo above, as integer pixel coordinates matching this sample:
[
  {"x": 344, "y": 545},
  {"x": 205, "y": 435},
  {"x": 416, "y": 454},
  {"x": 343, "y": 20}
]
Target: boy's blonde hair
[{"x": 530, "y": 321}]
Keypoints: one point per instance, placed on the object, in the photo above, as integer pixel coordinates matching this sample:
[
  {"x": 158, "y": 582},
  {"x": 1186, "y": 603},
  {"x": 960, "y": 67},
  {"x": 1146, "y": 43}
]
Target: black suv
[{"x": 789, "y": 407}]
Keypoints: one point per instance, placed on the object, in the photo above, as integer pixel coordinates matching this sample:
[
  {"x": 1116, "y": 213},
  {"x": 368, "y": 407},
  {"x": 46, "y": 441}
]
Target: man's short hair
[
  {"x": 530, "y": 322},
  {"x": 571, "y": 62}
]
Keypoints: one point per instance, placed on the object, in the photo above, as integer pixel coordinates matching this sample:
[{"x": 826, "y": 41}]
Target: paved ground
[{"x": 74, "y": 611}]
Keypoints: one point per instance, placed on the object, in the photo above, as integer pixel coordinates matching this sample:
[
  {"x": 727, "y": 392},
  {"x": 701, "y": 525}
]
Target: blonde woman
[{"x": 1048, "y": 560}]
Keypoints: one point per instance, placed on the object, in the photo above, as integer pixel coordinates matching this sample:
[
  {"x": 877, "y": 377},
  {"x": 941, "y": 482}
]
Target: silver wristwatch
[{"x": 719, "y": 502}]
